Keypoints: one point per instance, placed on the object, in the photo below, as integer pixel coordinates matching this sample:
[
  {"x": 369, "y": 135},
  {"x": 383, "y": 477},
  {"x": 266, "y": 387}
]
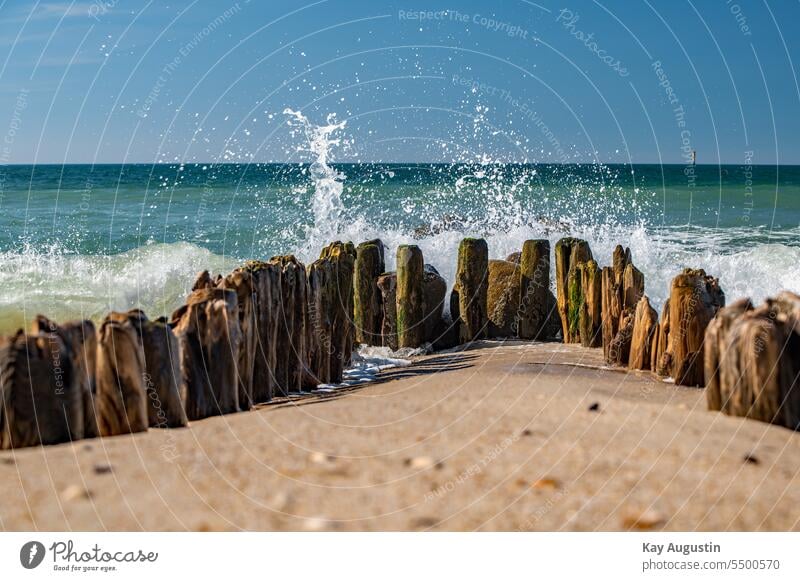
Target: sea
[{"x": 77, "y": 241}]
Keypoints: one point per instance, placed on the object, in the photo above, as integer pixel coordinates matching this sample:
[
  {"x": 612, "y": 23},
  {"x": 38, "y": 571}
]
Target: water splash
[{"x": 326, "y": 203}]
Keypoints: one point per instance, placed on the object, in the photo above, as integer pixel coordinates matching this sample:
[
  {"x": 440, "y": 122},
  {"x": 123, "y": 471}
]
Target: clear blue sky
[{"x": 198, "y": 81}]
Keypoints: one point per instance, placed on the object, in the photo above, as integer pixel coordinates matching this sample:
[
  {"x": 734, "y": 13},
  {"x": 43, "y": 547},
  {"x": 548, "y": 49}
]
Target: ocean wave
[
  {"x": 66, "y": 286},
  {"x": 158, "y": 277}
]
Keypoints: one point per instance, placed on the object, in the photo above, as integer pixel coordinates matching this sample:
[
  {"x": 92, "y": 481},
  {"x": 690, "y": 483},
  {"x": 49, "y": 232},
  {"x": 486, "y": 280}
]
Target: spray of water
[
  {"x": 435, "y": 206},
  {"x": 326, "y": 203}
]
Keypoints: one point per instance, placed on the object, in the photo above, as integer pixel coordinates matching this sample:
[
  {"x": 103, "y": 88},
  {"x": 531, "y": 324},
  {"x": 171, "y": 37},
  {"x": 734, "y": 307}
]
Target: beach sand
[{"x": 504, "y": 436}]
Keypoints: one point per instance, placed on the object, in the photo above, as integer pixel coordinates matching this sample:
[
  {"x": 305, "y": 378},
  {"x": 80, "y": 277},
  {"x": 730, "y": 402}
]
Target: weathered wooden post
[
  {"x": 632, "y": 286},
  {"x": 716, "y": 348},
  {"x": 660, "y": 359},
  {"x": 80, "y": 337},
  {"x": 620, "y": 348},
  {"x": 166, "y": 393},
  {"x": 759, "y": 371},
  {"x": 612, "y": 307},
  {"x": 321, "y": 305},
  {"x": 645, "y": 326},
  {"x": 330, "y": 313},
  {"x": 241, "y": 282},
  {"x": 410, "y": 296},
  {"x": 534, "y": 286},
  {"x": 694, "y": 300},
  {"x": 569, "y": 253},
  {"x": 40, "y": 400},
  {"x": 266, "y": 284},
  {"x": 290, "y": 365},
  {"x": 343, "y": 257},
  {"x": 621, "y": 258},
  {"x": 207, "y": 328},
  {"x": 589, "y": 319},
  {"x": 368, "y": 317},
  {"x": 471, "y": 286},
  {"x": 503, "y": 298},
  {"x": 434, "y": 293},
  {"x": 387, "y": 283},
  {"x": 612, "y": 295},
  {"x": 121, "y": 388}
]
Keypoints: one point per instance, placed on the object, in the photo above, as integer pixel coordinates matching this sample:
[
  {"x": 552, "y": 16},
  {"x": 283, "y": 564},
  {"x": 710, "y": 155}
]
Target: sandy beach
[{"x": 503, "y": 436}]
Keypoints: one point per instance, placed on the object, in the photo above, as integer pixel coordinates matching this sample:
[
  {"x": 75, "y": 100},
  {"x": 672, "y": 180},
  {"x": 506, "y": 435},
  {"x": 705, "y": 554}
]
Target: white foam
[
  {"x": 155, "y": 277},
  {"x": 368, "y": 362}
]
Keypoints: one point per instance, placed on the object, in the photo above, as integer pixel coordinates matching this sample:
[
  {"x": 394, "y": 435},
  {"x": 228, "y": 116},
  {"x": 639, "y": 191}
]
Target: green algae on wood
[
  {"x": 472, "y": 285},
  {"x": 410, "y": 296}
]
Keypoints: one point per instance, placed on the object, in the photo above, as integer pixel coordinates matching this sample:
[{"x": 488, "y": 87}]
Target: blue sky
[{"x": 577, "y": 81}]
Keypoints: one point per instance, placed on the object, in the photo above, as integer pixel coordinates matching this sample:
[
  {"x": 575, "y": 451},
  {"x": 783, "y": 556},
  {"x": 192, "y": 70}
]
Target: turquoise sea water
[{"x": 77, "y": 241}]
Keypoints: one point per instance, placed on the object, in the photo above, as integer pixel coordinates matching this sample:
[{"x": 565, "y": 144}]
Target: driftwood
[
  {"x": 410, "y": 296},
  {"x": 266, "y": 284},
  {"x": 208, "y": 333},
  {"x": 470, "y": 290},
  {"x": 534, "y": 262},
  {"x": 40, "y": 395},
  {"x": 367, "y": 313},
  {"x": 569, "y": 254},
  {"x": 694, "y": 300},
  {"x": 121, "y": 397},
  {"x": 645, "y": 326}
]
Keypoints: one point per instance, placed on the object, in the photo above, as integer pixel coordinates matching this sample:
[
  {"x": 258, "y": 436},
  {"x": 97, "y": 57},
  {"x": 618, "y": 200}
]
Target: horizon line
[{"x": 558, "y": 163}]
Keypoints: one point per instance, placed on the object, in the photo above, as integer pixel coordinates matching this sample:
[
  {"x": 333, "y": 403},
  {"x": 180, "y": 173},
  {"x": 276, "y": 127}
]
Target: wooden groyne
[{"x": 279, "y": 327}]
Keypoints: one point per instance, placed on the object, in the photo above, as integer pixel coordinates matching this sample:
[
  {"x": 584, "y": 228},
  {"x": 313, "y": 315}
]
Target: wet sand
[{"x": 500, "y": 437}]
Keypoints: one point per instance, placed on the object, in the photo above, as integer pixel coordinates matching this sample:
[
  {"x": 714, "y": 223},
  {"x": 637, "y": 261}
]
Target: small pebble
[
  {"x": 279, "y": 501},
  {"x": 750, "y": 459},
  {"x": 419, "y": 462},
  {"x": 320, "y": 458},
  {"x": 546, "y": 484},
  {"x": 424, "y": 522},
  {"x": 594, "y": 407},
  {"x": 316, "y": 524},
  {"x": 102, "y": 469},
  {"x": 526, "y": 432},
  {"x": 646, "y": 521},
  {"x": 75, "y": 492}
]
